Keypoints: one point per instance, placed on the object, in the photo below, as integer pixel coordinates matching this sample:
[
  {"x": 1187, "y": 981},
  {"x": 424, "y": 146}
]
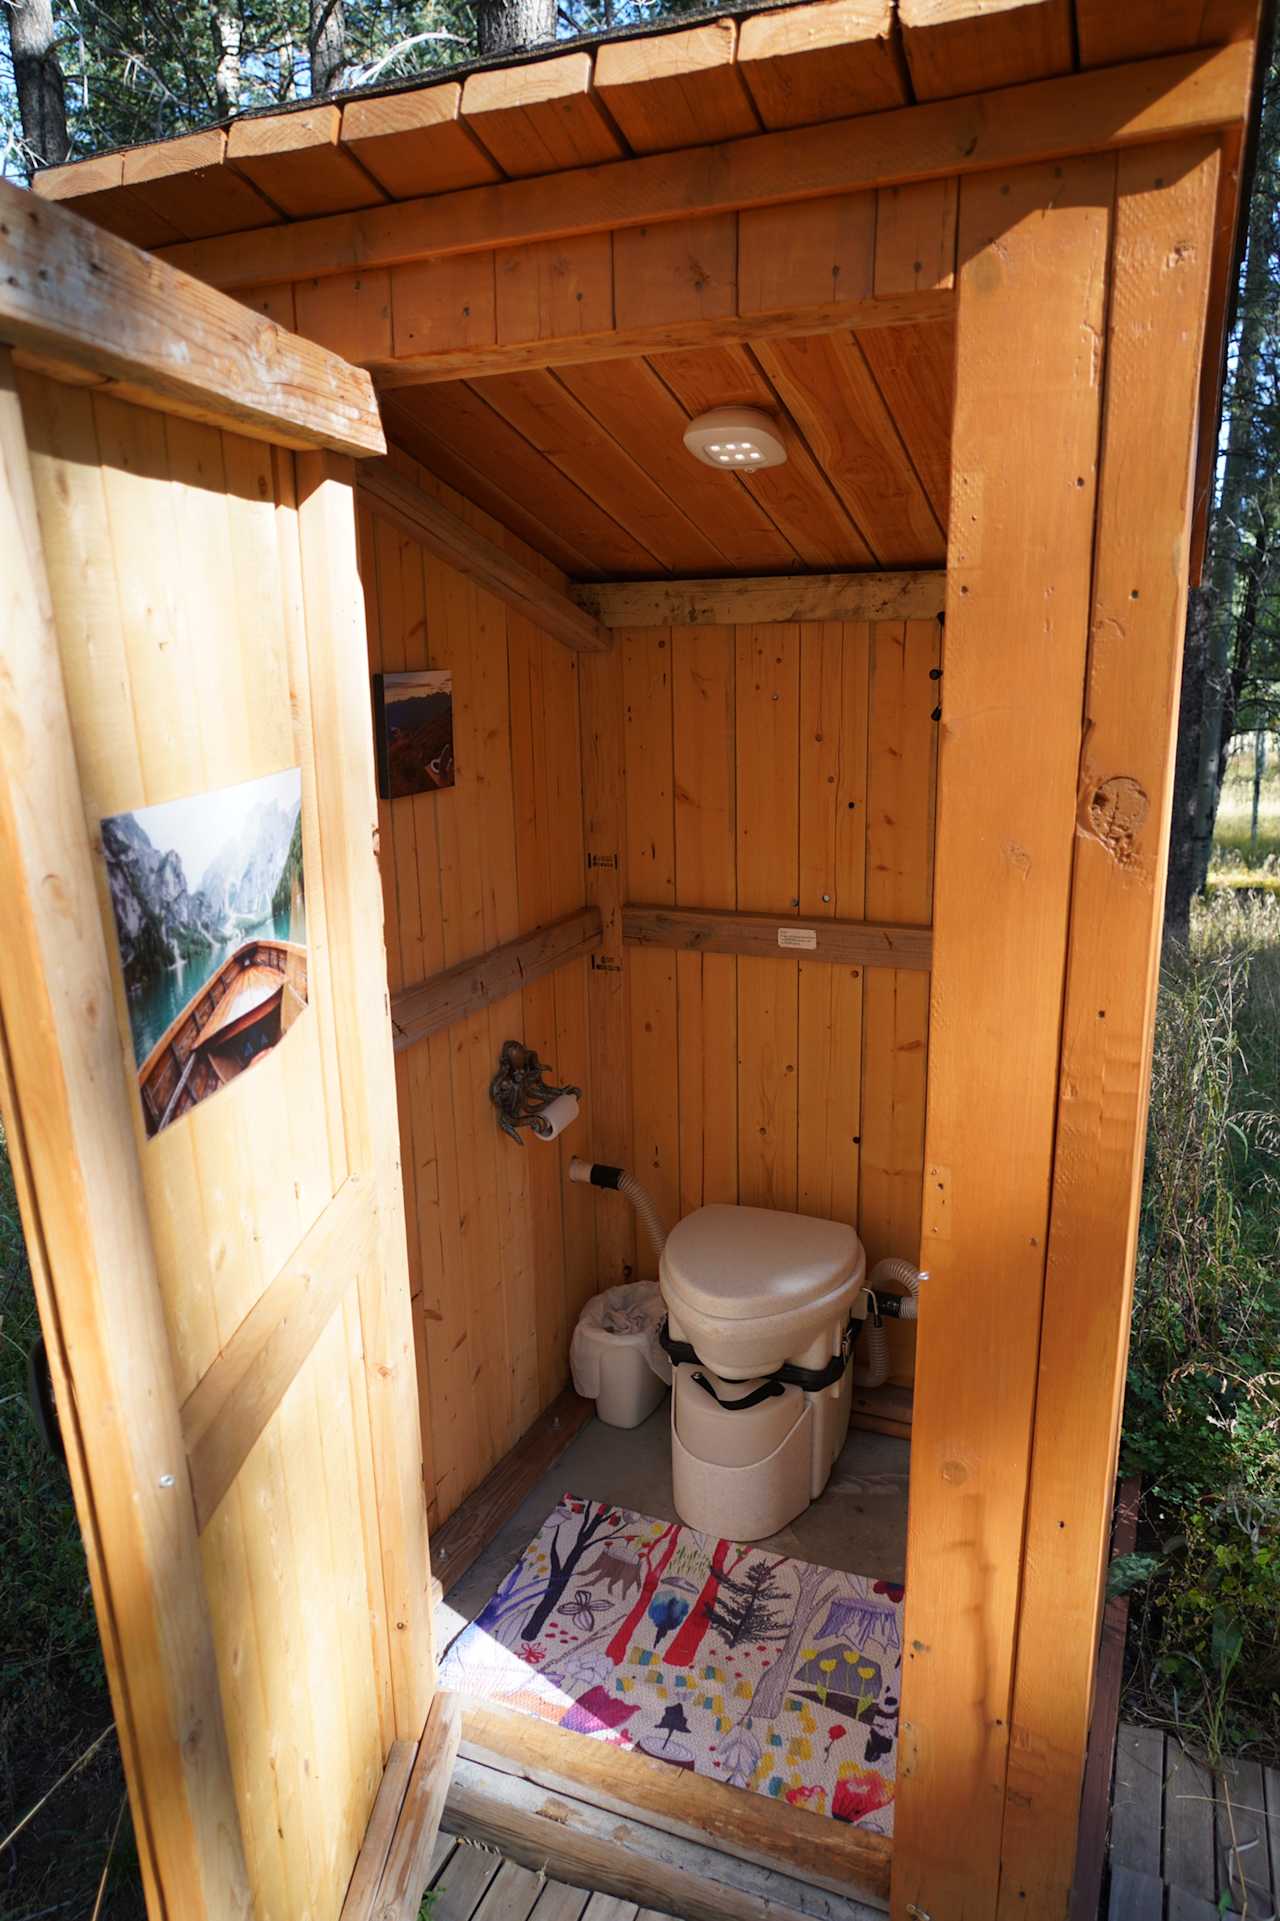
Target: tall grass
[{"x": 1202, "y": 1416}]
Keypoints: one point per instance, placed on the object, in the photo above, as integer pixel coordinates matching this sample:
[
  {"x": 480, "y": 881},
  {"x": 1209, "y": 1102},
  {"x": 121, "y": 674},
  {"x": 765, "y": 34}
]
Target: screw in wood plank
[{"x": 166, "y": 1480}]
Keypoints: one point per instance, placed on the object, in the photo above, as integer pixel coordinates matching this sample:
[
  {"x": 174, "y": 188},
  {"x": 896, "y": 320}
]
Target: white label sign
[{"x": 806, "y": 937}]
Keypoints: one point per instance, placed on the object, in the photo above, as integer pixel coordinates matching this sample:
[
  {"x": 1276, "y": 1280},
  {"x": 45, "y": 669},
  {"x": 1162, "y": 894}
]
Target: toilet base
[{"x": 743, "y": 1503}]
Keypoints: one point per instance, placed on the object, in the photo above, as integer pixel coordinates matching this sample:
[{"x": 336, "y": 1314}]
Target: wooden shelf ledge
[
  {"x": 472, "y": 984},
  {"x": 758, "y": 599},
  {"x": 772, "y": 937}
]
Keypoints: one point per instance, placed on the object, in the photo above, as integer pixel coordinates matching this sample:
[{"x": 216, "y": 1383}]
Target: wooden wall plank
[
  {"x": 605, "y": 839},
  {"x": 768, "y": 747},
  {"x": 651, "y": 876},
  {"x": 1033, "y": 246},
  {"x": 1159, "y": 282},
  {"x": 833, "y": 813},
  {"x": 704, "y": 756},
  {"x": 499, "y": 1275},
  {"x": 899, "y": 884}
]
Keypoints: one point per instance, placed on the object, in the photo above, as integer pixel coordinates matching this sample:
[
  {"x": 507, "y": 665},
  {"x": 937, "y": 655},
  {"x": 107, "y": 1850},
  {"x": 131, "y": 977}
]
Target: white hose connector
[
  {"x": 874, "y": 1371},
  {"x": 639, "y": 1197}
]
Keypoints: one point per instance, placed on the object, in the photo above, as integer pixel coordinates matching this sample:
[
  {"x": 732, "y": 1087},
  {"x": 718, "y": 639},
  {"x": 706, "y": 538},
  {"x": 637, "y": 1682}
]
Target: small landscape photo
[
  {"x": 209, "y": 903},
  {"x": 413, "y": 724}
]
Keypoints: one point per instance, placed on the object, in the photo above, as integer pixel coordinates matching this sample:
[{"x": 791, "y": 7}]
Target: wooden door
[{"x": 222, "y": 1280}]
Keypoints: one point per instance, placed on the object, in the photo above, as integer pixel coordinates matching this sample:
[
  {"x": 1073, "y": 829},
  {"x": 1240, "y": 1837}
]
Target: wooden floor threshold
[{"x": 621, "y": 1823}]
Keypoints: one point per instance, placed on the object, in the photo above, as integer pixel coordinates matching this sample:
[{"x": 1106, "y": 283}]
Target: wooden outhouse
[{"x": 811, "y": 822}]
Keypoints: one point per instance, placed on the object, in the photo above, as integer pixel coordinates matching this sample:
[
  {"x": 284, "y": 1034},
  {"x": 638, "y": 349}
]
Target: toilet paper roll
[{"x": 558, "y": 1114}]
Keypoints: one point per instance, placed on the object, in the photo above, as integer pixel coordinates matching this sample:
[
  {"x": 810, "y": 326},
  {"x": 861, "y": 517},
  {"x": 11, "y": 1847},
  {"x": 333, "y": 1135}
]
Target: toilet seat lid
[{"x": 744, "y": 1263}]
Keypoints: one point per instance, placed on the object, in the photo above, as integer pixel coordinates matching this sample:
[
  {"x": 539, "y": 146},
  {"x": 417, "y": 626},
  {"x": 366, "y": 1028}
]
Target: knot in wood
[{"x": 1113, "y": 811}]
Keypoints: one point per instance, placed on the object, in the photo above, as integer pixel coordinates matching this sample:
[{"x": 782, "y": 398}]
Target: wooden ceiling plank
[
  {"x": 551, "y": 419},
  {"x": 74, "y": 295},
  {"x": 461, "y": 417},
  {"x": 1115, "y": 107},
  {"x": 440, "y": 459},
  {"x": 915, "y": 371},
  {"x": 554, "y": 289},
  {"x": 828, "y": 389},
  {"x": 1107, "y": 34},
  {"x": 629, "y": 401},
  {"x": 676, "y": 89},
  {"x": 815, "y": 250},
  {"x": 416, "y": 143},
  {"x": 826, "y": 62},
  {"x": 796, "y": 496},
  {"x": 540, "y": 118},
  {"x": 916, "y": 237},
  {"x": 958, "y": 47},
  {"x": 296, "y": 160},
  {"x": 188, "y": 184}
]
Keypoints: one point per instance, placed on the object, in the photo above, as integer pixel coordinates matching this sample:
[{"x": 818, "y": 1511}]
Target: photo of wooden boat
[{"x": 233, "y": 1022}]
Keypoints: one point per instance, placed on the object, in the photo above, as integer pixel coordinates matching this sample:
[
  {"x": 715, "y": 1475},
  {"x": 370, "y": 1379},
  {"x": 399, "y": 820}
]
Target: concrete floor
[{"x": 859, "y": 1524}]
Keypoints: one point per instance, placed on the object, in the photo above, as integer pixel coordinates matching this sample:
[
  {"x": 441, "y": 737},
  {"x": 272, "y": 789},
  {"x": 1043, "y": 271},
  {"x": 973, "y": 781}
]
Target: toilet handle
[{"x": 765, "y": 1392}]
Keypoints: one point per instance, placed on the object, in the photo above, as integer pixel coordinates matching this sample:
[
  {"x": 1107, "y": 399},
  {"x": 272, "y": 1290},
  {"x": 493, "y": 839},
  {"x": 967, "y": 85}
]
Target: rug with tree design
[{"x": 717, "y": 1656}]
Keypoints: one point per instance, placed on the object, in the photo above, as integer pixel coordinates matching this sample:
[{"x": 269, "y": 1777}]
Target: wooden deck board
[
  {"x": 1182, "y": 1839},
  {"x": 1135, "y": 1897},
  {"x": 1138, "y": 1804}
]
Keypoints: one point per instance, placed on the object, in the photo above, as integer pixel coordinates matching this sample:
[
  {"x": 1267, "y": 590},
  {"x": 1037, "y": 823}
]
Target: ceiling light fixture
[{"x": 735, "y": 439}]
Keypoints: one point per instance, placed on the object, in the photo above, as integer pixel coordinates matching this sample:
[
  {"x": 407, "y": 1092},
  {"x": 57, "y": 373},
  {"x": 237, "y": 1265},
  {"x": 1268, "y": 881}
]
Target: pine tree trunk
[
  {"x": 1180, "y": 884},
  {"x": 228, "y": 33},
  {"x": 38, "y": 82},
  {"x": 327, "y": 41},
  {"x": 1229, "y": 533},
  {"x": 505, "y": 26}
]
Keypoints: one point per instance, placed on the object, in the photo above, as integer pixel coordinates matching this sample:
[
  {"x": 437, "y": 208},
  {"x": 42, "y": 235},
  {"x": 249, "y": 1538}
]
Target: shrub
[{"x": 1202, "y": 1417}]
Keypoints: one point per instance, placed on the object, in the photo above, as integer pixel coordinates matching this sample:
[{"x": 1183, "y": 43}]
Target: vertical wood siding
[
  {"x": 789, "y": 769},
  {"x": 501, "y": 1249}
]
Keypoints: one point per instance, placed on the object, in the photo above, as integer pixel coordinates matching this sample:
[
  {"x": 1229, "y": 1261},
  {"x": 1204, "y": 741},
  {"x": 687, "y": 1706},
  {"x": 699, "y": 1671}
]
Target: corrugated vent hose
[{"x": 874, "y": 1371}]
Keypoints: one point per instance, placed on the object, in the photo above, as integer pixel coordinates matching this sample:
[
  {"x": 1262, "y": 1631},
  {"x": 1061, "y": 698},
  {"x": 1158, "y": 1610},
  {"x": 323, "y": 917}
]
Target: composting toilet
[{"x": 762, "y": 1309}]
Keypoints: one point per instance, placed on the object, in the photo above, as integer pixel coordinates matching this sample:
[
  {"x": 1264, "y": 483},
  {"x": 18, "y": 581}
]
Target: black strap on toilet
[
  {"x": 811, "y": 1379},
  {"x": 765, "y": 1392}
]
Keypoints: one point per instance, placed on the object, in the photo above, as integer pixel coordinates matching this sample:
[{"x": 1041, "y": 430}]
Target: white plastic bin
[{"x": 615, "y": 1357}]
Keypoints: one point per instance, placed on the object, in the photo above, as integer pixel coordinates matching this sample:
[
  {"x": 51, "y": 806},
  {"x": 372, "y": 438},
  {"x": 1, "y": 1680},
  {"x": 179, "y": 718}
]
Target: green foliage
[
  {"x": 1202, "y": 1418},
  {"x": 140, "y": 70},
  {"x": 53, "y": 1694}
]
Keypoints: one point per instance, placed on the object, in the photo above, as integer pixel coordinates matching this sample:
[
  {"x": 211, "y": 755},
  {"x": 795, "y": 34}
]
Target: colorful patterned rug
[{"x": 717, "y": 1656}]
